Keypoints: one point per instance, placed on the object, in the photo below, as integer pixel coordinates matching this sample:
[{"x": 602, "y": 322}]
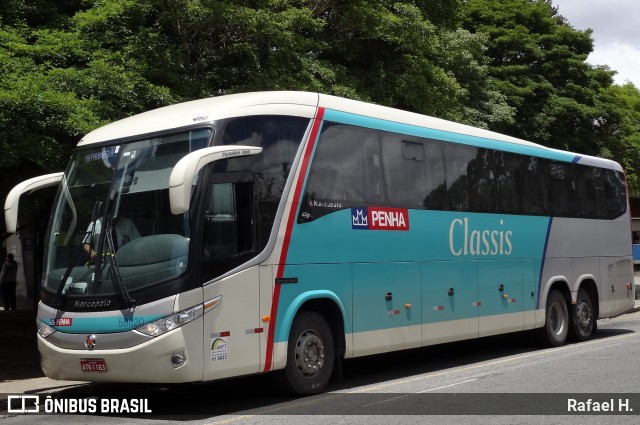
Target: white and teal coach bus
[{"x": 286, "y": 231}]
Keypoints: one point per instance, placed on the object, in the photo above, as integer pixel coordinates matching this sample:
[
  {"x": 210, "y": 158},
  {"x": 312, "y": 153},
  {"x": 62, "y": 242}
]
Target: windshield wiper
[{"x": 114, "y": 270}]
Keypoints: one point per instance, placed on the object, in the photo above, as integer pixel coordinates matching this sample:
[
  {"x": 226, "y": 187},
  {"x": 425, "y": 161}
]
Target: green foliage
[
  {"x": 538, "y": 64},
  {"x": 622, "y": 107},
  {"x": 514, "y": 66}
]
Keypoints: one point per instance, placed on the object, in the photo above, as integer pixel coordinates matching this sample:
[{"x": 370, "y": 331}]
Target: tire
[
  {"x": 310, "y": 355},
  {"x": 556, "y": 326},
  {"x": 582, "y": 317}
]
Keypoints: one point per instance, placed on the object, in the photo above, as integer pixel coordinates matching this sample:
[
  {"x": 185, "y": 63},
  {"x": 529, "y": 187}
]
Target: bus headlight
[
  {"x": 44, "y": 330},
  {"x": 169, "y": 323}
]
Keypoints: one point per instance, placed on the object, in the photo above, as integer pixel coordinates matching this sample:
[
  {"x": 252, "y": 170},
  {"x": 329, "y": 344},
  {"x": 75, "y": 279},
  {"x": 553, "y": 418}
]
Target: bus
[{"x": 287, "y": 231}]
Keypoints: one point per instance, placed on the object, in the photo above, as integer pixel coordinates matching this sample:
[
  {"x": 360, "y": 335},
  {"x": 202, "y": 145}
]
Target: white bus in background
[{"x": 286, "y": 231}]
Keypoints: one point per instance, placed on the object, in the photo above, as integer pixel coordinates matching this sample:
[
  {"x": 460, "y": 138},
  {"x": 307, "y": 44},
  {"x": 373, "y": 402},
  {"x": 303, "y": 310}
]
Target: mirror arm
[{"x": 187, "y": 169}]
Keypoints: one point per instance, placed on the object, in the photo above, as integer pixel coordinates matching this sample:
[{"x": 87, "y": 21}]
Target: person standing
[{"x": 8, "y": 282}]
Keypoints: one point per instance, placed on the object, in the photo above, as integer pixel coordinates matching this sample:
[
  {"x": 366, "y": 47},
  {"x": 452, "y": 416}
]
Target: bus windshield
[{"x": 112, "y": 231}]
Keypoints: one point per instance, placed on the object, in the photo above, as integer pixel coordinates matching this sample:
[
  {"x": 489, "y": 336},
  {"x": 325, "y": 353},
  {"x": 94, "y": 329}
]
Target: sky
[{"x": 616, "y": 33}]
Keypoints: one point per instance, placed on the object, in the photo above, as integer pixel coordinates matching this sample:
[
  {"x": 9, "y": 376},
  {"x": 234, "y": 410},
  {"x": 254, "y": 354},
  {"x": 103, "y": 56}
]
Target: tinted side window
[
  {"x": 509, "y": 179},
  {"x": 346, "y": 171},
  {"x": 558, "y": 188},
  {"x": 414, "y": 172},
  {"x": 531, "y": 187},
  {"x": 616, "y": 193},
  {"x": 590, "y": 192},
  {"x": 470, "y": 178},
  {"x": 279, "y": 136},
  {"x": 518, "y": 183}
]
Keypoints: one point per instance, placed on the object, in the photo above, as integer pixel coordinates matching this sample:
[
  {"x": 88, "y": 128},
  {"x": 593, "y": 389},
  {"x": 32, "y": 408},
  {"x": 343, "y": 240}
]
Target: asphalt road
[{"x": 501, "y": 380}]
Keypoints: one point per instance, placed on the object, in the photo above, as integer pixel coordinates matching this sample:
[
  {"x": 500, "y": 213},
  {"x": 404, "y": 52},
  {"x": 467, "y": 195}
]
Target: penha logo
[
  {"x": 376, "y": 218},
  {"x": 359, "y": 218},
  {"x": 61, "y": 321}
]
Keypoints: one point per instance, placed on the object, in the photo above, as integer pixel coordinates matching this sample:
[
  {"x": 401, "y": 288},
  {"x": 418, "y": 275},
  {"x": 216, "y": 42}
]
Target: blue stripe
[{"x": 544, "y": 256}]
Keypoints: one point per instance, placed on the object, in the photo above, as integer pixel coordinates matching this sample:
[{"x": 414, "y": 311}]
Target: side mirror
[
  {"x": 12, "y": 202},
  {"x": 188, "y": 167}
]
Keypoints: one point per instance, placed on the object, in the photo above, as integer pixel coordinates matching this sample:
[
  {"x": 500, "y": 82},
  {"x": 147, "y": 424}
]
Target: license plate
[{"x": 93, "y": 365}]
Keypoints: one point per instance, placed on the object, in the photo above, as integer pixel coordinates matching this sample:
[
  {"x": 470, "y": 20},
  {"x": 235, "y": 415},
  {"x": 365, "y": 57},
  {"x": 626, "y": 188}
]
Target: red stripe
[{"x": 287, "y": 235}]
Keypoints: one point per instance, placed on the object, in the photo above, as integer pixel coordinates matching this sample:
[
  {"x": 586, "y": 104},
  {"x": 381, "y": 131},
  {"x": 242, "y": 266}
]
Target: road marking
[
  {"x": 507, "y": 360},
  {"x": 231, "y": 420},
  {"x": 420, "y": 392},
  {"x": 447, "y": 386},
  {"x": 604, "y": 342}
]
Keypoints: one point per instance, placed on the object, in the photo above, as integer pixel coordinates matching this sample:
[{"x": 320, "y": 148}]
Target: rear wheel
[
  {"x": 556, "y": 327},
  {"x": 310, "y": 355},
  {"x": 582, "y": 317}
]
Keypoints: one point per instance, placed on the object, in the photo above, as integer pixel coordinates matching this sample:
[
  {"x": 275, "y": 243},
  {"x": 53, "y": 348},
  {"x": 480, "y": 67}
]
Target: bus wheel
[
  {"x": 310, "y": 354},
  {"x": 582, "y": 317},
  {"x": 556, "y": 327}
]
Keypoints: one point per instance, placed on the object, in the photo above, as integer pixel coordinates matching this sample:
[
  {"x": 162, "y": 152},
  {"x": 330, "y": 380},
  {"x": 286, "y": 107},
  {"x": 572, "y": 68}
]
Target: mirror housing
[
  {"x": 12, "y": 202},
  {"x": 188, "y": 167}
]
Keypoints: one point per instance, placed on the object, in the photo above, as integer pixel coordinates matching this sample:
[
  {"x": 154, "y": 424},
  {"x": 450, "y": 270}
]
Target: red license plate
[{"x": 93, "y": 365}]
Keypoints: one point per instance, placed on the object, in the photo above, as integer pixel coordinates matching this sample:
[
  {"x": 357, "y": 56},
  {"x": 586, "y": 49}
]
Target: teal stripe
[
  {"x": 417, "y": 131},
  {"x": 111, "y": 324}
]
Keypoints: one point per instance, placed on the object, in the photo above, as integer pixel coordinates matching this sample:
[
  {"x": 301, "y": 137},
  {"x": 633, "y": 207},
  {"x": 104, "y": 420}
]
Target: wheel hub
[
  {"x": 583, "y": 315},
  {"x": 557, "y": 324},
  {"x": 309, "y": 353}
]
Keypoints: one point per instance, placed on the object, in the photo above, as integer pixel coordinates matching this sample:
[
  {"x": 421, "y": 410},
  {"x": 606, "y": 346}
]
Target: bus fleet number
[{"x": 130, "y": 321}]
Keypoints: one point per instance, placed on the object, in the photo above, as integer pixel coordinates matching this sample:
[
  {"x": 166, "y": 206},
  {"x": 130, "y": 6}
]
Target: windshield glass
[{"x": 112, "y": 231}]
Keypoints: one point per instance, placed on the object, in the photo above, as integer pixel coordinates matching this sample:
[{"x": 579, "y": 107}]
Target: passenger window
[
  {"x": 558, "y": 189},
  {"x": 531, "y": 187},
  {"x": 470, "y": 178},
  {"x": 509, "y": 179},
  {"x": 590, "y": 192},
  {"x": 414, "y": 172},
  {"x": 615, "y": 190},
  {"x": 346, "y": 171},
  {"x": 518, "y": 183}
]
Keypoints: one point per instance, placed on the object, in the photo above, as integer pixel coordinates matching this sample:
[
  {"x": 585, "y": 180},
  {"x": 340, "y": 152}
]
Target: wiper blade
[{"x": 114, "y": 270}]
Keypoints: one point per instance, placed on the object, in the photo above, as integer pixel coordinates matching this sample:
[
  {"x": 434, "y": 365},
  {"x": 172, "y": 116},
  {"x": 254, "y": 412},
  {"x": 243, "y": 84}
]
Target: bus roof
[
  {"x": 297, "y": 103},
  {"x": 202, "y": 111}
]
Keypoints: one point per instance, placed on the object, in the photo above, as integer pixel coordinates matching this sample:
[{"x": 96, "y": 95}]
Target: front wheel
[
  {"x": 556, "y": 326},
  {"x": 582, "y": 317},
  {"x": 310, "y": 355}
]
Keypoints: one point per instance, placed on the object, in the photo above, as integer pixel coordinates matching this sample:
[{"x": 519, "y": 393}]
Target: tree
[
  {"x": 621, "y": 105},
  {"x": 538, "y": 64},
  {"x": 56, "y": 86},
  {"x": 513, "y": 66}
]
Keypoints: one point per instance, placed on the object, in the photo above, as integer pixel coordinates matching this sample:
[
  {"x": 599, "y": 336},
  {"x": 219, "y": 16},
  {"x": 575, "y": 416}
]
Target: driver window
[{"x": 229, "y": 230}]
